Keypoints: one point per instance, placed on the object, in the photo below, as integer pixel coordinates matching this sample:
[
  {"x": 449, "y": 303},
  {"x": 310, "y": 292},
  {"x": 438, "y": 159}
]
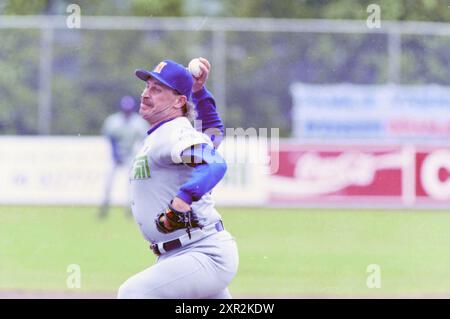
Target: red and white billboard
[
  {"x": 432, "y": 176},
  {"x": 360, "y": 175}
]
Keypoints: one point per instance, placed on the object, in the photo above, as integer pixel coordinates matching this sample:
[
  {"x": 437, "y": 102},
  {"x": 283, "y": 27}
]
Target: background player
[
  {"x": 125, "y": 131},
  {"x": 171, "y": 180}
]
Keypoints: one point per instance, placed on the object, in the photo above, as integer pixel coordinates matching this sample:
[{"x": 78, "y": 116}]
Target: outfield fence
[{"x": 74, "y": 171}]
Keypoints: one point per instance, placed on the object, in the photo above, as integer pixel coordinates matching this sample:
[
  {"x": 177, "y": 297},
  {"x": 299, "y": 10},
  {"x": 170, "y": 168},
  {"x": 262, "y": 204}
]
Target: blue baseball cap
[{"x": 171, "y": 74}]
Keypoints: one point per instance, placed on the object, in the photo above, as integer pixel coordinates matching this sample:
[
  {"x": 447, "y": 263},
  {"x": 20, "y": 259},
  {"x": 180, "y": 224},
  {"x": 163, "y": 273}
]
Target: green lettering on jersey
[{"x": 140, "y": 168}]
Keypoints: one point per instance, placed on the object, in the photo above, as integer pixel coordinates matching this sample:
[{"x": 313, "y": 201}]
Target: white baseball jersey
[
  {"x": 128, "y": 132},
  {"x": 158, "y": 173}
]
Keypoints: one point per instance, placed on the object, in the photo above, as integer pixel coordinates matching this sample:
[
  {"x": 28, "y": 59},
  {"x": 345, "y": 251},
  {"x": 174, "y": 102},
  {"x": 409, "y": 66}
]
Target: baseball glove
[{"x": 177, "y": 220}]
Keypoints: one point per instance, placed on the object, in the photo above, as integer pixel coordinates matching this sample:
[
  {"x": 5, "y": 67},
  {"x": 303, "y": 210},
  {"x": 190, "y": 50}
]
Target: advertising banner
[
  {"x": 360, "y": 175},
  {"x": 384, "y": 112},
  {"x": 75, "y": 171}
]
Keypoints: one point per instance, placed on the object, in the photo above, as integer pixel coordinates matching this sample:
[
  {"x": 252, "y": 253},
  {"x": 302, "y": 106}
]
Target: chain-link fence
[{"x": 56, "y": 80}]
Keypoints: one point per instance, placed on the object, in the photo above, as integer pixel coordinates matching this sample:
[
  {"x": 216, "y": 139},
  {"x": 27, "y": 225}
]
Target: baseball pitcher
[{"x": 171, "y": 182}]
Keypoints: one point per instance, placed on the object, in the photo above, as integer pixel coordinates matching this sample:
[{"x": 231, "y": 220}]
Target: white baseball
[{"x": 194, "y": 67}]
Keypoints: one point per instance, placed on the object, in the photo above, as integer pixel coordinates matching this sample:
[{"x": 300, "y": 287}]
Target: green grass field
[{"x": 283, "y": 252}]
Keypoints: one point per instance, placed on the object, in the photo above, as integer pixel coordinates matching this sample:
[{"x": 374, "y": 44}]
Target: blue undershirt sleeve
[
  {"x": 205, "y": 106},
  {"x": 209, "y": 169}
]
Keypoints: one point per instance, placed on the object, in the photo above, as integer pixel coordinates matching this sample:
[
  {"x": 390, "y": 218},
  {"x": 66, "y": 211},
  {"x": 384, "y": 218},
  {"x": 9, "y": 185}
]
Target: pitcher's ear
[{"x": 181, "y": 101}]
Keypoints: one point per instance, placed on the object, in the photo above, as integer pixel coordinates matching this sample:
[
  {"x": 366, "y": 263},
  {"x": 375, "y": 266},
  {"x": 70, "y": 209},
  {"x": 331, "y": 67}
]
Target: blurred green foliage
[
  {"x": 19, "y": 77},
  {"x": 418, "y": 10},
  {"x": 95, "y": 7},
  {"x": 92, "y": 69}
]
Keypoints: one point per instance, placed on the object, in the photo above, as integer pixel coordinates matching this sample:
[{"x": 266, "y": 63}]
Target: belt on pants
[{"x": 161, "y": 248}]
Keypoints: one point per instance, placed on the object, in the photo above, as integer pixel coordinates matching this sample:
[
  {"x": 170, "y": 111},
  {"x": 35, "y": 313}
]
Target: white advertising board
[{"x": 74, "y": 170}]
